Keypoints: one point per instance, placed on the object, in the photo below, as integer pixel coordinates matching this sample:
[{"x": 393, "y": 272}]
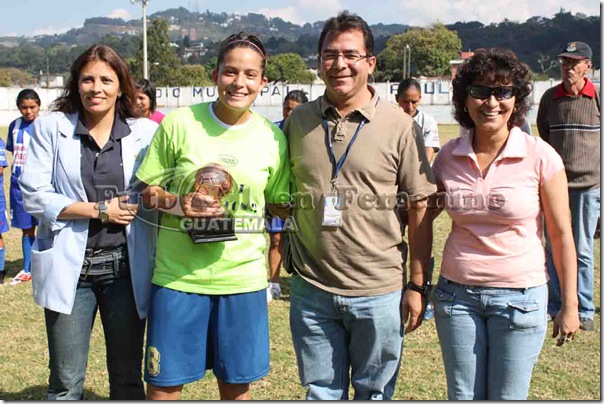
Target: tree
[
  {"x": 5, "y": 79},
  {"x": 163, "y": 61},
  {"x": 193, "y": 75},
  {"x": 288, "y": 68},
  {"x": 15, "y": 77},
  {"x": 432, "y": 49},
  {"x": 27, "y": 56},
  {"x": 126, "y": 45},
  {"x": 60, "y": 57},
  {"x": 210, "y": 66},
  {"x": 546, "y": 63}
]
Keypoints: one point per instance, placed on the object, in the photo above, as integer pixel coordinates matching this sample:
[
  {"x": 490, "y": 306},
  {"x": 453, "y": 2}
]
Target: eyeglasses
[
  {"x": 350, "y": 58},
  {"x": 484, "y": 92}
]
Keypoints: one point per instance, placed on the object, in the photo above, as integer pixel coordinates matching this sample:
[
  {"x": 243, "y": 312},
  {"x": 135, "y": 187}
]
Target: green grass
[{"x": 568, "y": 373}]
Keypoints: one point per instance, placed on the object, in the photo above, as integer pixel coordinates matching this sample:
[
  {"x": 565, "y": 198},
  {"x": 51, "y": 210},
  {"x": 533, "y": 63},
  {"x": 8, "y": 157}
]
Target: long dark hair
[
  {"x": 147, "y": 88},
  {"x": 70, "y": 102}
]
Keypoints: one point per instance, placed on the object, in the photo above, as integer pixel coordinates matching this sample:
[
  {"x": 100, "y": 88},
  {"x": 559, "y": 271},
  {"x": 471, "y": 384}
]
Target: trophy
[{"x": 215, "y": 181}]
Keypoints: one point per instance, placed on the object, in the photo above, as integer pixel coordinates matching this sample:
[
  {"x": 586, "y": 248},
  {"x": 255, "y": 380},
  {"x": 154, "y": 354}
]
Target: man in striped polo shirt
[{"x": 569, "y": 120}]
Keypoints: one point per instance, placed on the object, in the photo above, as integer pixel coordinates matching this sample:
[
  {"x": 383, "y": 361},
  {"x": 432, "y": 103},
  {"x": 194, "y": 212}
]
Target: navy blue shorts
[
  {"x": 19, "y": 218},
  {"x": 188, "y": 333}
]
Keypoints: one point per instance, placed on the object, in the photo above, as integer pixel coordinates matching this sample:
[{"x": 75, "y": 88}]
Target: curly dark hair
[
  {"x": 498, "y": 66},
  {"x": 70, "y": 102}
]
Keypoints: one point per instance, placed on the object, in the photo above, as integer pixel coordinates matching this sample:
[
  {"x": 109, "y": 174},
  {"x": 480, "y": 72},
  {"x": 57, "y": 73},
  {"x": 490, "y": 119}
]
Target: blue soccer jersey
[
  {"x": 19, "y": 135},
  {"x": 3, "y": 216},
  {"x": 3, "y": 161}
]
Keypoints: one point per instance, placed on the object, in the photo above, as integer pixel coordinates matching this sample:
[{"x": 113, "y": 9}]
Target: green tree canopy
[
  {"x": 162, "y": 59},
  {"x": 126, "y": 45},
  {"x": 210, "y": 66},
  {"x": 193, "y": 75},
  {"x": 288, "y": 68},
  {"x": 15, "y": 77},
  {"x": 27, "y": 57},
  {"x": 432, "y": 49}
]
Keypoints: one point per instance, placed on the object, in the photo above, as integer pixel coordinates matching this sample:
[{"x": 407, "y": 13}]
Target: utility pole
[
  {"x": 406, "y": 61},
  {"x": 145, "y": 68},
  {"x": 47, "y": 71}
]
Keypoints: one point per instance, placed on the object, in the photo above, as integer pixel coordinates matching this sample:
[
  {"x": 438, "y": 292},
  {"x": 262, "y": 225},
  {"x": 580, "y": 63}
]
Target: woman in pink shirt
[
  {"x": 498, "y": 184},
  {"x": 146, "y": 101}
]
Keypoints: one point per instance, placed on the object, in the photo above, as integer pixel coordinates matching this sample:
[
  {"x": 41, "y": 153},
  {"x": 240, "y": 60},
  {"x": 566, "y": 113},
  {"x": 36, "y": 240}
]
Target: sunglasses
[{"x": 484, "y": 92}]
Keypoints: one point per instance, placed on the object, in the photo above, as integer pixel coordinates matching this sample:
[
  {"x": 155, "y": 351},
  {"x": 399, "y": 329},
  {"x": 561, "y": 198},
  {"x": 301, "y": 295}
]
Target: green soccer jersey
[{"x": 256, "y": 156}]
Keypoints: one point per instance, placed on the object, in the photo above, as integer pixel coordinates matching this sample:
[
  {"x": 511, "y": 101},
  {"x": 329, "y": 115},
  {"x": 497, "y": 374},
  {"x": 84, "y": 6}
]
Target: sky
[{"x": 38, "y": 17}]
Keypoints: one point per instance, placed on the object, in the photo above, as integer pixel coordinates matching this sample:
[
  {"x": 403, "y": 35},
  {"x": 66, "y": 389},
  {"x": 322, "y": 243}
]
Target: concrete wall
[{"x": 434, "y": 93}]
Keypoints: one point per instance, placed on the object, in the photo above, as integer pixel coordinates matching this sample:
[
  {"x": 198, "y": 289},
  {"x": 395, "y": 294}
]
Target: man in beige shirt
[{"x": 355, "y": 162}]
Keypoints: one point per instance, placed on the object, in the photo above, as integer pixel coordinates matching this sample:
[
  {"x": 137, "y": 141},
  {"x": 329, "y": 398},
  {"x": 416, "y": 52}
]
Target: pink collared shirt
[{"x": 497, "y": 229}]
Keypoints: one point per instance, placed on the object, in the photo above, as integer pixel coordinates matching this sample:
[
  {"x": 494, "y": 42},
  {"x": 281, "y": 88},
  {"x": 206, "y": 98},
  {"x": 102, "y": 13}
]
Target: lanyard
[{"x": 337, "y": 166}]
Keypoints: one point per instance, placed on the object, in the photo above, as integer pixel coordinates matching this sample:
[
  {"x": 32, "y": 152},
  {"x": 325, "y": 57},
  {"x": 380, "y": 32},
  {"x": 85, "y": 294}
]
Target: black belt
[{"x": 103, "y": 262}]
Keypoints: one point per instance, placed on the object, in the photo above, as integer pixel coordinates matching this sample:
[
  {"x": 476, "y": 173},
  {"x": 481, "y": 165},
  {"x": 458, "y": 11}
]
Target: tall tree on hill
[
  {"x": 163, "y": 61},
  {"x": 126, "y": 45},
  {"x": 432, "y": 49},
  {"x": 210, "y": 66},
  {"x": 288, "y": 68}
]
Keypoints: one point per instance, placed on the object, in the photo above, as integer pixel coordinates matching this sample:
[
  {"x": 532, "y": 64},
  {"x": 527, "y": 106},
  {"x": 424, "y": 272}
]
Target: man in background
[{"x": 569, "y": 120}]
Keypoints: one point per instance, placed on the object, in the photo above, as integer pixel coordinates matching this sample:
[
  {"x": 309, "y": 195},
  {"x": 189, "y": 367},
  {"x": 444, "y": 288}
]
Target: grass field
[{"x": 568, "y": 373}]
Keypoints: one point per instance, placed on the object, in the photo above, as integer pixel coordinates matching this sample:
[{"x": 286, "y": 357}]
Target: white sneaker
[{"x": 273, "y": 292}]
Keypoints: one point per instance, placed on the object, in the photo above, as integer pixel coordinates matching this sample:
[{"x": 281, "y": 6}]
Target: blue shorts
[
  {"x": 188, "y": 333},
  {"x": 274, "y": 224},
  {"x": 3, "y": 219},
  {"x": 19, "y": 218}
]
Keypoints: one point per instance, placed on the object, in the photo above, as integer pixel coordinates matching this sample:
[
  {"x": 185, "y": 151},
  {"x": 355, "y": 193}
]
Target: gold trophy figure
[{"x": 213, "y": 180}]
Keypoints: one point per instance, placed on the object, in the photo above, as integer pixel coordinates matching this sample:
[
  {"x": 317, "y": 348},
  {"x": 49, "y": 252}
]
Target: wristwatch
[
  {"x": 102, "y": 208},
  {"x": 424, "y": 290}
]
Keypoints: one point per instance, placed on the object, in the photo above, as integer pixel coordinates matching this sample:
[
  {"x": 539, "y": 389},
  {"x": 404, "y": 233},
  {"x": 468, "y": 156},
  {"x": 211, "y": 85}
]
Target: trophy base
[{"x": 212, "y": 230}]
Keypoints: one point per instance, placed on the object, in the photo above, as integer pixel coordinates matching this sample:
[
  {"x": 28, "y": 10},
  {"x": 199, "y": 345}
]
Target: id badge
[{"x": 332, "y": 210}]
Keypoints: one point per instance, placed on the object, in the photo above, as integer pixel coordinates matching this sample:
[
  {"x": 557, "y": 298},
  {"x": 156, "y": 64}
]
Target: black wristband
[{"x": 424, "y": 290}]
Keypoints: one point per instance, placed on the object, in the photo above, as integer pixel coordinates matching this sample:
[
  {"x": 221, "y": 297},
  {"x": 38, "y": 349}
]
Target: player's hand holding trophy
[{"x": 212, "y": 221}]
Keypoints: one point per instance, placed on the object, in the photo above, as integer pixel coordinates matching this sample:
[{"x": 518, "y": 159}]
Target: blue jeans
[
  {"x": 333, "y": 333},
  {"x": 490, "y": 338},
  {"x": 585, "y": 213},
  {"x": 69, "y": 340}
]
